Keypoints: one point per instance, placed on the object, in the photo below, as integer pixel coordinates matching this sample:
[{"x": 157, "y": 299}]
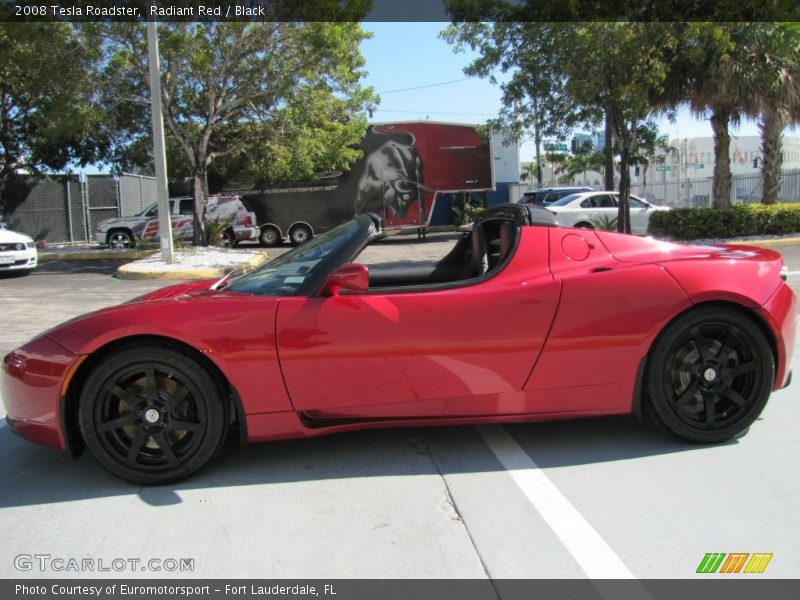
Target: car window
[
  {"x": 635, "y": 202},
  {"x": 604, "y": 201},
  {"x": 285, "y": 275},
  {"x": 586, "y": 203},
  {"x": 552, "y": 197},
  {"x": 151, "y": 211},
  {"x": 565, "y": 200},
  {"x": 186, "y": 207}
]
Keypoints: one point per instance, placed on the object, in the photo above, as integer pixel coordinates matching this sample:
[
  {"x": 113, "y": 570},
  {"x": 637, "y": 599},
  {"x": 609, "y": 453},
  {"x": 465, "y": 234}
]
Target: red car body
[{"x": 563, "y": 330}]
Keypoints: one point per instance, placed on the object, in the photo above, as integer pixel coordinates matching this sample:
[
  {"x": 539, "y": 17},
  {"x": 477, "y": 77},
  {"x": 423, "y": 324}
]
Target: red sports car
[{"x": 521, "y": 321}]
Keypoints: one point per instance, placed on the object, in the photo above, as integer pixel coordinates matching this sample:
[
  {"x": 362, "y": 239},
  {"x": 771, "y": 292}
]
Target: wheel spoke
[
  {"x": 151, "y": 387},
  {"x": 174, "y": 401},
  {"x": 117, "y": 423},
  {"x": 740, "y": 369},
  {"x": 186, "y": 425},
  {"x": 686, "y": 395},
  {"x": 166, "y": 448},
  {"x": 735, "y": 397},
  {"x": 725, "y": 348},
  {"x": 136, "y": 444},
  {"x": 699, "y": 342},
  {"x": 709, "y": 404},
  {"x": 125, "y": 395}
]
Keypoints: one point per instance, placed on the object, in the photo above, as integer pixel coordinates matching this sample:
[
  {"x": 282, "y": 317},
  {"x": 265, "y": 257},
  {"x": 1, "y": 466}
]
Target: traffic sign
[{"x": 664, "y": 168}]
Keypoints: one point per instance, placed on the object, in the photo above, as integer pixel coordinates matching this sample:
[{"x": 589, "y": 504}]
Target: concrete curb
[
  {"x": 258, "y": 259},
  {"x": 97, "y": 255},
  {"x": 772, "y": 243}
]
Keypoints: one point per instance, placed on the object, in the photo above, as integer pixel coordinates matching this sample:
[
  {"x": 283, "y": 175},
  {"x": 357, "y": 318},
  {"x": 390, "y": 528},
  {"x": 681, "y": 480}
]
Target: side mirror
[{"x": 353, "y": 277}]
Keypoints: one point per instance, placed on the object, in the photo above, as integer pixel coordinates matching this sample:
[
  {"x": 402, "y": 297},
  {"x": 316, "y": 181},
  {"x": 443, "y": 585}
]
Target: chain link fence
[{"x": 67, "y": 208}]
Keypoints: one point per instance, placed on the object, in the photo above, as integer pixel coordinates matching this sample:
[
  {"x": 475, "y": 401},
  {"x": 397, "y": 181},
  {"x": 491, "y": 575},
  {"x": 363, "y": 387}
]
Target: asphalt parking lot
[{"x": 600, "y": 498}]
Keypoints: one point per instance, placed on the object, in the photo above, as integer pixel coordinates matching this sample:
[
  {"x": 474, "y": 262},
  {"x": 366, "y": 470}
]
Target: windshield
[
  {"x": 297, "y": 271},
  {"x": 564, "y": 201}
]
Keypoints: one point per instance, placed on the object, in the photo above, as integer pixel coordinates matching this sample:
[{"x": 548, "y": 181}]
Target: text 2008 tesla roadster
[{"x": 521, "y": 321}]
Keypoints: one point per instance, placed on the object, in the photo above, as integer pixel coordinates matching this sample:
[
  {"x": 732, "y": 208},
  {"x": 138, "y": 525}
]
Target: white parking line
[{"x": 594, "y": 556}]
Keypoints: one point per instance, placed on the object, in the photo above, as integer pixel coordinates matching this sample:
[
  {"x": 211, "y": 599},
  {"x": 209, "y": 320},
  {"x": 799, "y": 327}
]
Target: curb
[
  {"x": 772, "y": 243},
  {"x": 125, "y": 271},
  {"x": 97, "y": 255}
]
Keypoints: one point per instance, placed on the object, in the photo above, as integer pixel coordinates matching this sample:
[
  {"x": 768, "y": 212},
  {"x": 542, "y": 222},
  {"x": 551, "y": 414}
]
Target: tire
[
  {"x": 120, "y": 239},
  {"x": 152, "y": 433},
  {"x": 300, "y": 233},
  {"x": 270, "y": 236},
  {"x": 228, "y": 239},
  {"x": 709, "y": 375}
]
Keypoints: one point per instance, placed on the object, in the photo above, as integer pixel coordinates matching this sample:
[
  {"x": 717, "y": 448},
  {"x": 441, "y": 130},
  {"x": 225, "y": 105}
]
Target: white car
[
  {"x": 17, "y": 251},
  {"x": 585, "y": 209}
]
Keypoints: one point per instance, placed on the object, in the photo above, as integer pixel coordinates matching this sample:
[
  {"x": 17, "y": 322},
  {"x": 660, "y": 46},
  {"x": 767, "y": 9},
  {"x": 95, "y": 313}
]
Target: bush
[{"x": 737, "y": 221}]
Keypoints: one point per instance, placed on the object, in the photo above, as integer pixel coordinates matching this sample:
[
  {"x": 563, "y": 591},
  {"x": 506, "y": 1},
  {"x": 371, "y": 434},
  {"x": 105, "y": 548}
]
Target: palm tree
[
  {"x": 702, "y": 74},
  {"x": 770, "y": 75}
]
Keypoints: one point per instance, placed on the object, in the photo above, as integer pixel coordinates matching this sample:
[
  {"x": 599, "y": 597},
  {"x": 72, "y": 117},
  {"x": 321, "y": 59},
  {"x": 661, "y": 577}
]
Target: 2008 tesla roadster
[{"x": 521, "y": 321}]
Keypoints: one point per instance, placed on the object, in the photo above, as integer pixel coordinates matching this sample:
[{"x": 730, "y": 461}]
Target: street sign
[
  {"x": 553, "y": 147},
  {"x": 664, "y": 168},
  {"x": 699, "y": 166}
]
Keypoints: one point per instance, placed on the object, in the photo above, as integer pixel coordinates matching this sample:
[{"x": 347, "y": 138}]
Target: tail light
[{"x": 248, "y": 221}]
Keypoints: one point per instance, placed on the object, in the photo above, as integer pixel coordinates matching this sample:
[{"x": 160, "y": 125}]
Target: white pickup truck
[{"x": 125, "y": 232}]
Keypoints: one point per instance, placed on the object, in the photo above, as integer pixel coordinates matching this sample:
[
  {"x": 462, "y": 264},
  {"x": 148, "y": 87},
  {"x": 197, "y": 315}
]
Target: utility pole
[
  {"x": 159, "y": 151},
  {"x": 608, "y": 156}
]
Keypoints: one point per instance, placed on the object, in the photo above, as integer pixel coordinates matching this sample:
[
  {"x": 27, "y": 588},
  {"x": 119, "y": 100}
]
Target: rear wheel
[
  {"x": 299, "y": 234},
  {"x": 710, "y": 375},
  {"x": 152, "y": 415}
]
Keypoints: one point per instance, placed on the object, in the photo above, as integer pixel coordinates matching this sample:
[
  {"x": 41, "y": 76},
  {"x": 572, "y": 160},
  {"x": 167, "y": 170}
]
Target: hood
[
  {"x": 190, "y": 288},
  {"x": 12, "y": 237}
]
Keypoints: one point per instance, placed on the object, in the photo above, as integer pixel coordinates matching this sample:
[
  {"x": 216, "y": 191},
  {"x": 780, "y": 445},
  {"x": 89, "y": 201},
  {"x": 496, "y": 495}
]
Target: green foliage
[
  {"x": 216, "y": 227},
  {"x": 697, "y": 223},
  {"x": 266, "y": 101},
  {"x": 464, "y": 210},
  {"x": 48, "y": 115},
  {"x": 604, "y": 223}
]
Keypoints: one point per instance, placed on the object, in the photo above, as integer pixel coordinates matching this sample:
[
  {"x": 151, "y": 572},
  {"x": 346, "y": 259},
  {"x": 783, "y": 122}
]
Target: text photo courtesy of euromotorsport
[{"x": 62, "y": 590}]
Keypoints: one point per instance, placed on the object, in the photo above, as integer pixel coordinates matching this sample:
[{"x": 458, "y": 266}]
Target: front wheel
[
  {"x": 270, "y": 236},
  {"x": 152, "y": 415},
  {"x": 710, "y": 375},
  {"x": 120, "y": 240}
]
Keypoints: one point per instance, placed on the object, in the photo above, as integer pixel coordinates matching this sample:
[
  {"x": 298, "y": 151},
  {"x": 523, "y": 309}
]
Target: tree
[
  {"x": 650, "y": 149},
  {"x": 769, "y": 75},
  {"x": 48, "y": 115},
  {"x": 585, "y": 159},
  {"x": 579, "y": 74},
  {"x": 280, "y": 100}
]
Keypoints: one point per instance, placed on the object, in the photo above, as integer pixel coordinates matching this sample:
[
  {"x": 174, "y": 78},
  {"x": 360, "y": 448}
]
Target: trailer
[{"x": 405, "y": 167}]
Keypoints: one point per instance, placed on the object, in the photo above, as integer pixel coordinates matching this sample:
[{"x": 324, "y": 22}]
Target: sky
[{"x": 411, "y": 55}]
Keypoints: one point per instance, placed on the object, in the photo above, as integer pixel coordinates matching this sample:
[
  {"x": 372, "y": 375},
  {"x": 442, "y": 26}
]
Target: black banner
[{"x": 393, "y": 10}]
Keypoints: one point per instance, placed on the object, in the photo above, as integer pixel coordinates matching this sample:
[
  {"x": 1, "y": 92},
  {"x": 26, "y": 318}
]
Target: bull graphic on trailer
[{"x": 405, "y": 167}]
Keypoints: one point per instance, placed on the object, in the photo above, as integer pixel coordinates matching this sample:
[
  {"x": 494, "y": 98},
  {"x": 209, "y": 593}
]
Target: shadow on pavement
[
  {"x": 66, "y": 267},
  {"x": 34, "y": 475}
]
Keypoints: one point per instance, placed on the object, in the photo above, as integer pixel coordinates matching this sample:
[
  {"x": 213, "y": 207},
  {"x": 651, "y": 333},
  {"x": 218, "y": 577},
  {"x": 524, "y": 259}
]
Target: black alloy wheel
[
  {"x": 152, "y": 415},
  {"x": 710, "y": 375}
]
